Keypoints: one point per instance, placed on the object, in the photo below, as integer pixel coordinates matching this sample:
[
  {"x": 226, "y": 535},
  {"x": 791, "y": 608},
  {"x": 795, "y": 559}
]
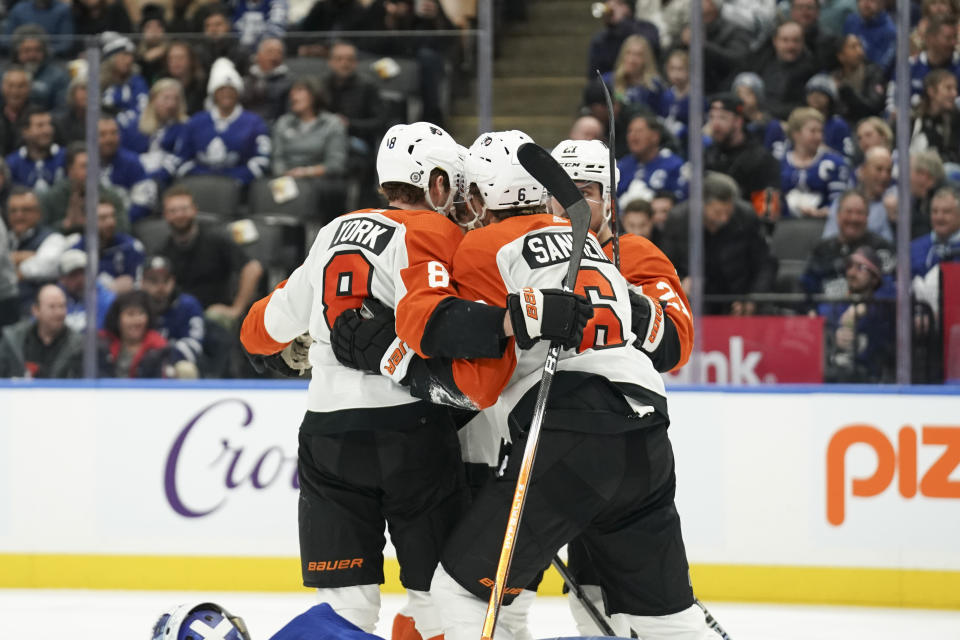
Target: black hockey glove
[
  {"x": 360, "y": 338},
  {"x": 549, "y": 314}
]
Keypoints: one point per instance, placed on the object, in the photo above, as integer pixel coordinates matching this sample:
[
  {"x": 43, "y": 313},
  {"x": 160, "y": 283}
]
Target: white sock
[
  {"x": 688, "y": 624},
  {"x": 360, "y": 604},
  {"x": 514, "y": 617},
  {"x": 461, "y": 612},
  {"x": 585, "y": 624},
  {"x": 426, "y": 618}
]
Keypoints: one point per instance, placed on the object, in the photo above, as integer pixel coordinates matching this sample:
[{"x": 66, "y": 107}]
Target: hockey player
[
  {"x": 660, "y": 317},
  {"x": 369, "y": 452},
  {"x": 604, "y": 471}
]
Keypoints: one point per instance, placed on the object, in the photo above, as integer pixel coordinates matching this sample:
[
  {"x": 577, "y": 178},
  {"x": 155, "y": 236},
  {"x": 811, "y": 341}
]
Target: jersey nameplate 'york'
[
  {"x": 548, "y": 248},
  {"x": 364, "y": 232}
]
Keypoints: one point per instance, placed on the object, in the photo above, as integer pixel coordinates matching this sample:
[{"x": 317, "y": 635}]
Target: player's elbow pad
[{"x": 657, "y": 335}]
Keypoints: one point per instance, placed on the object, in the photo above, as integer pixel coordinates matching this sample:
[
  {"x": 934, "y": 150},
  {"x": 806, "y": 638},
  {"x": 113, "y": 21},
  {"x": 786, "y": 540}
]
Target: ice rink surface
[{"x": 129, "y": 615}]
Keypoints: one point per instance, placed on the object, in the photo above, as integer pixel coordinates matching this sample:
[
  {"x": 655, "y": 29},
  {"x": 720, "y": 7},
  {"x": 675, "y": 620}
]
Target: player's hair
[
  {"x": 503, "y": 214},
  {"x": 410, "y": 194}
]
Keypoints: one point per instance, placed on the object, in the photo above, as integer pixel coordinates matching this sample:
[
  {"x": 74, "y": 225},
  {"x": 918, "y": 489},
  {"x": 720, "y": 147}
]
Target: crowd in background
[{"x": 798, "y": 141}]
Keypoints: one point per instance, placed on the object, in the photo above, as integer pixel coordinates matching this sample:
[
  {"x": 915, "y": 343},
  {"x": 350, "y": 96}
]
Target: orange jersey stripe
[{"x": 253, "y": 333}]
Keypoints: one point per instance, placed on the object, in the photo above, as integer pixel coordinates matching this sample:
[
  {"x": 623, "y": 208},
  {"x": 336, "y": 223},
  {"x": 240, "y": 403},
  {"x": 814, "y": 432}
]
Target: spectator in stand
[
  {"x": 737, "y": 259},
  {"x": 619, "y": 23},
  {"x": 429, "y": 52},
  {"x": 676, "y": 98},
  {"x": 927, "y": 176},
  {"x": 745, "y": 160},
  {"x": 833, "y": 14},
  {"x": 205, "y": 260},
  {"x": 874, "y": 180},
  {"x": 181, "y": 64},
  {"x": 35, "y": 248},
  {"x": 727, "y": 46},
  {"x": 121, "y": 255},
  {"x": 15, "y": 90},
  {"x": 662, "y": 204},
  {"x": 330, "y": 15},
  {"x": 94, "y": 17},
  {"x": 122, "y": 170},
  {"x": 871, "y": 132},
  {"x": 756, "y": 17},
  {"x": 268, "y": 81},
  {"x": 225, "y": 140},
  {"x": 930, "y": 9},
  {"x": 942, "y": 244},
  {"x": 860, "y": 334},
  {"x": 130, "y": 348},
  {"x": 749, "y": 88},
  {"x": 39, "y": 162},
  {"x": 179, "y": 316},
  {"x": 806, "y": 13},
  {"x": 860, "y": 85},
  {"x": 939, "y": 52},
  {"x": 71, "y": 124},
  {"x": 73, "y": 279},
  {"x": 936, "y": 124},
  {"x": 152, "y": 48},
  {"x": 821, "y": 94},
  {"x": 637, "y": 218},
  {"x": 123, "y": 88},
  {"x": 218, "y": 39},
  {"x": 64, "y": 204},
  {"x": 42, "y": 346},
  {"x": 635, "y": 81},
  {"x": 811, "y": 176},
  {"x": 255, "y": 20},
  {"x": 587, "y": 128},
  {"x": 9, "y": 293},
  {"x": 49, "y": 82},
  {"x": 184, "y": 16},
  {"x": 826, "y": 267},
  {"x": 786, "y": 72},
  {"x": 155, "y": 134},
  {"x": 309, "y": 141},
  {"x": 52, "y": 17},
  {"x": 649, "y": 167},
  {"x": 876, "y": 30},
  {"x": 356, "y": 101}
]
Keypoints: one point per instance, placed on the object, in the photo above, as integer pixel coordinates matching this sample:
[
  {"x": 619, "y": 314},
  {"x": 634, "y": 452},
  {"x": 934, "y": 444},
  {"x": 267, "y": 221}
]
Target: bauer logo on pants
[{"x": 335, "y": 565}]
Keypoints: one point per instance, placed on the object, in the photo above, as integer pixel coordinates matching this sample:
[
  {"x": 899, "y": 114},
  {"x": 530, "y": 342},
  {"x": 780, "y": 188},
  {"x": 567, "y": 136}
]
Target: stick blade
[{"x": 547, "y": 171}]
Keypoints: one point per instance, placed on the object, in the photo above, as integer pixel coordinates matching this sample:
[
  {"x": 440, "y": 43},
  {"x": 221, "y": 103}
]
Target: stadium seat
[
  {"x": 793, "y": 240},
  {"x": 281, "y": 247},
  {"x": 153, "y": 232},
  {"x": 306, "y": 66},
  {"x": 217, "y": 195},
  {"x": 303, "y": 207}
]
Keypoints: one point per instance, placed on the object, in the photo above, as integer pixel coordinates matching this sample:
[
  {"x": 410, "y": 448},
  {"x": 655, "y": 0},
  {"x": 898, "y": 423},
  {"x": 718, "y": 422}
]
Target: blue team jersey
[
  {"x": 925, "y": 252},
  {"x": 919, "y": 68},
  {"x": 126, "y": 174},
  {"x": 182, "y": 325},
  {"x": 132, "y": 95},
  {"x": 652, "y": 96},
  {"x": 39, "y": 175},
  {"x": 257, "y": 20},
  {"x": 677, "y": 114},
  {"x": 666, "y": 172},
  {"x": 814, "y": 186},
  {"x": 836, "y": 135},
  {"x": 157, "y": 152},
  {"x": 123, "y": 256},
  {"x": 237, "y": 147}
]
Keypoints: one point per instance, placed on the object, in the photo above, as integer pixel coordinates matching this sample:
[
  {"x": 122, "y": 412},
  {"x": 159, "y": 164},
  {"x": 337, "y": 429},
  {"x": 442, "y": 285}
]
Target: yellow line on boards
[{"x": 742, "y": 583}]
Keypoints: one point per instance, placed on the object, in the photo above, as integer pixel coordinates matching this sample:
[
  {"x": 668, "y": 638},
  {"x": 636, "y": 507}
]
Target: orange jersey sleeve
[
  {"x": 431, "y": 240},
  {"x": 253, "y": 333},
  {"x": 643, "y": 265}
]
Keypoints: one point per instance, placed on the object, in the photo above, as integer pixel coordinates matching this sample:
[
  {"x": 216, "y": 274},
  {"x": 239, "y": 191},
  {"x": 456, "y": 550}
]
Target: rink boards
[{"x": 803, "y": 494}]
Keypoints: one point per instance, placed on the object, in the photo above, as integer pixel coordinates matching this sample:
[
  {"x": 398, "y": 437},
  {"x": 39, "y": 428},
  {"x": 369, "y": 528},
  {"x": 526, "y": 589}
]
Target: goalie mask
[
  {"x": 409, "y": 152},
  {"x": 205, "y": 621},
  {"x": 588, "y": 161},
  {"x": 492, "y": 166}
]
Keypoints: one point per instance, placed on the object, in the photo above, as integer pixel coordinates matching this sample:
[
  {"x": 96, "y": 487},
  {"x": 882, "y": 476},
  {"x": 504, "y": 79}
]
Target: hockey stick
[
  {"x": 574, "y": 586},
  {"x": 711, "y": 621},
  {"x": 539, "y": 164},
  {"x": 612, "y": 138}
]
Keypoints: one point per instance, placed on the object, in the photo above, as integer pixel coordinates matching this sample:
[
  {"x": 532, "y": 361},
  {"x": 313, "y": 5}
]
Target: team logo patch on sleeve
[{"x": 364, "y": 232}]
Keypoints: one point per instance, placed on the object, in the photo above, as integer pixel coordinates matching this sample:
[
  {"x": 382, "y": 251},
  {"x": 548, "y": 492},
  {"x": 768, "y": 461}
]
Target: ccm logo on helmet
[
  {"x": 935, "y": 482},
  {"x": 335, "y": 565}
]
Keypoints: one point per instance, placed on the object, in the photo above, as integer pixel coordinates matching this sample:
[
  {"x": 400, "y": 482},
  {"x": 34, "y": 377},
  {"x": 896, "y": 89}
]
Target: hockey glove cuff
[
  {"x": 362, "y": 342},
  {"x": 647, "y": 321},
  {"x": 548, "y": 314},
  {"x": 396, "y": 360},
  {"x": 296, "y": 355}
]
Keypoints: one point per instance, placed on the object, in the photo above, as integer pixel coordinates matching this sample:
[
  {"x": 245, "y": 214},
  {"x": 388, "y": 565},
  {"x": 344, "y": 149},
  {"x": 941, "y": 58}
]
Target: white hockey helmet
[
  {"x": 409, "y": 152},
  {"x": 493, "y": 166},
  {"x": 196, "y": 622},
  {"x": 588, "y": 161}
]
